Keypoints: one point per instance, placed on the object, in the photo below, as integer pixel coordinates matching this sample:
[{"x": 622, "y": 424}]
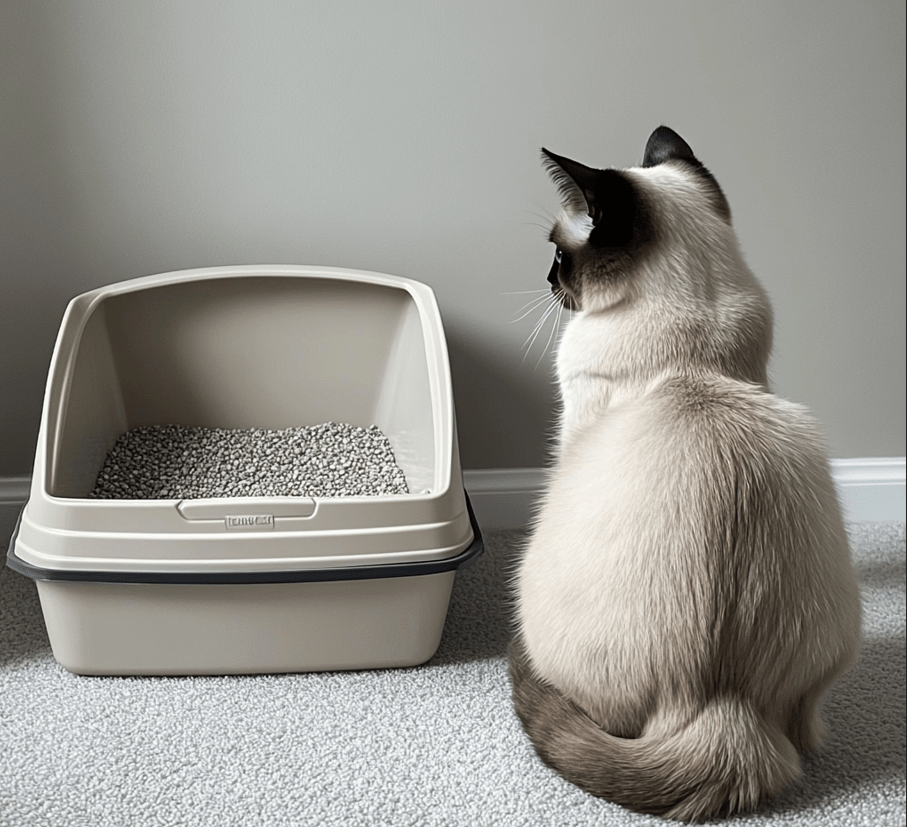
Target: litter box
[{"x": 246, "y": 584}]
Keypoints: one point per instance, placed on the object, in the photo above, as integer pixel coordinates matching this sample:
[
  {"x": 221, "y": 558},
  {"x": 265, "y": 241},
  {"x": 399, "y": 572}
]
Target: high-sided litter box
[{"x": 258, "y": 584}]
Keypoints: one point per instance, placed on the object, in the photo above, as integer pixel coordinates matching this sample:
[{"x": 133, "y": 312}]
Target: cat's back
[
  {"x": 694, "y": 462},
  {"x": 720, "y": 420},
  {"x": 705, "y": 436}
]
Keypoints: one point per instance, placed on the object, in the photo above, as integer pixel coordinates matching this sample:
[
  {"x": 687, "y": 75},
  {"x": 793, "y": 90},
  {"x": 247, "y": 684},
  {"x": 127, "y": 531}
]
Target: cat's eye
[{"x": 555, "y": 268}]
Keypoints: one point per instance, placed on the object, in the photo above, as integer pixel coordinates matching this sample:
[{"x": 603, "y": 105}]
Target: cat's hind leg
[{"x": 805, "y": 727}]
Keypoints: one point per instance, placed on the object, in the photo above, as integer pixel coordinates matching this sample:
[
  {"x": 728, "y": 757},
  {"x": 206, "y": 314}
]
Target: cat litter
[
  {"x": 176, "y": 461},
  {"x": 178, "y": 525}
]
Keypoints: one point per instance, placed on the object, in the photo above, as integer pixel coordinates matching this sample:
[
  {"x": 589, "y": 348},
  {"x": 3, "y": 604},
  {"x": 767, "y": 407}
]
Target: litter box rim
[{"x": 465, "y": 558}]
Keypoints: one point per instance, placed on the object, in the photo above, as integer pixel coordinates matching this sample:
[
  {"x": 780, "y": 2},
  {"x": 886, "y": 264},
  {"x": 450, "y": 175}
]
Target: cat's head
[{"x": 663, "y": 226}]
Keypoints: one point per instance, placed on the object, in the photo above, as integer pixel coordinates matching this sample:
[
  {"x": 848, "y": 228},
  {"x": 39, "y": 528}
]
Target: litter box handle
[{"x": 239, "y": 513}]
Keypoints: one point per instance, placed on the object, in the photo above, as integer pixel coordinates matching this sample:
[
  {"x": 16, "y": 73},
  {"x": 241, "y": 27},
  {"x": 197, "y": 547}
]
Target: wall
[{"x": 404, "y": 137}]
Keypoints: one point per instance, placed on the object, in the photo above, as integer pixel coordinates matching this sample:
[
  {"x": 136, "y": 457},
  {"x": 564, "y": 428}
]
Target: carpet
[{"x": 429, "y": 746}]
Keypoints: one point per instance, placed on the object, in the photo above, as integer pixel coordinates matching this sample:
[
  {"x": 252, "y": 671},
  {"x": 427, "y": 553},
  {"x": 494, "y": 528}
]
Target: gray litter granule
[{"x": 182, "y": 462}]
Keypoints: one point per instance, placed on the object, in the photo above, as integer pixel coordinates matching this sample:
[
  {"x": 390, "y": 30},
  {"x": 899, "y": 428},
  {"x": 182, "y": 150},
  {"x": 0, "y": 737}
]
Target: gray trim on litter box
[{"x": 466, "y": 557}]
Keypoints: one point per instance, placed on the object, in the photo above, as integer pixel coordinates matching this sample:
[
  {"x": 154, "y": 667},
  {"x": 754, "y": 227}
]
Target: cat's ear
[
  {"x": 600, "y": 193},
  {"x": 575, "y": 182},
  {"x": 664, "y": 145},
  {"x": 605, "y": 195}
]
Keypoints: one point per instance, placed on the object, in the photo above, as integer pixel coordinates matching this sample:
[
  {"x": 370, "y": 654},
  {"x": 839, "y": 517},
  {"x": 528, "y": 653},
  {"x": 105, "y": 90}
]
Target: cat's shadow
[{"x": 865, "y": 746}]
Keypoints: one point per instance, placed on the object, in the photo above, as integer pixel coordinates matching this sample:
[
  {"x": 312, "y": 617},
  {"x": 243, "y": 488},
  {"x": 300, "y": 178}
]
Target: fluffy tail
[{"x": 725, "y": 760}]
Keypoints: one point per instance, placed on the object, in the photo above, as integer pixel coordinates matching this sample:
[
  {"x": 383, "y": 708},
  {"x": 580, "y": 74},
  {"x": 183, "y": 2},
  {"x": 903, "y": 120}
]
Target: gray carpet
[{"x": 434, "y": 745}]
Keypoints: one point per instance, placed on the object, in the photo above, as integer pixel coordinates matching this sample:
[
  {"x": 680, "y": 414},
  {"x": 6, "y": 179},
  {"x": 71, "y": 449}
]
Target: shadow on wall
[
  {"x": 30, "y": 327},
  {"x": 504, "y": 420}
]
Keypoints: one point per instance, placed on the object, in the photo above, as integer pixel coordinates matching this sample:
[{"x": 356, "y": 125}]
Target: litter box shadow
[
  {"x": 478, "y": 623},
  {"x": 504, "y": 413},
  {"x": 22, "y": 631}
]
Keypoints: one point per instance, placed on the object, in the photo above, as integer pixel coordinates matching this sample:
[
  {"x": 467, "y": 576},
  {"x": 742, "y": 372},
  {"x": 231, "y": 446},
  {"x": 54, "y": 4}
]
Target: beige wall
[{"x": 404, "y": 137}]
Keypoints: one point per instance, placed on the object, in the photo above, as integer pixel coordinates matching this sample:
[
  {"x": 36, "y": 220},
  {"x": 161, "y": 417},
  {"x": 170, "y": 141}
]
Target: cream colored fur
[{"x": 687, "y": 582}]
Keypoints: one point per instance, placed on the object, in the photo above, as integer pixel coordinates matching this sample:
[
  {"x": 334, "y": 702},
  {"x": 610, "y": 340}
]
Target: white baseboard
[{"x": 871, "y": 490}]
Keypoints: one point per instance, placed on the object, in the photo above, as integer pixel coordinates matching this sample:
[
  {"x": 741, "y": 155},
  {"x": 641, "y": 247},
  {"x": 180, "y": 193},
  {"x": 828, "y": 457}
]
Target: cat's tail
[{"x": 724, "y": 761}]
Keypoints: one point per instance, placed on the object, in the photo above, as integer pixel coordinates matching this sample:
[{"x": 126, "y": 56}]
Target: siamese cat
[{"x": 686, "y": 594}]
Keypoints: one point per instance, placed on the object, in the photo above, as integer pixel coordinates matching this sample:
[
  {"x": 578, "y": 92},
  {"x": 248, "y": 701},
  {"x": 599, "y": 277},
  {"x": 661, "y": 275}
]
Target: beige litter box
[{"x": 246, "y": 584}]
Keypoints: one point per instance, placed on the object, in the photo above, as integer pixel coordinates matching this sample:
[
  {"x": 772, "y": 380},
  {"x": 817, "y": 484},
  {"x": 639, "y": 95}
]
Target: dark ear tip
[
  {"x": 663, "y": 132},
  {"x": 552, "y": 161},
  {"x": 665, "y": 144}
]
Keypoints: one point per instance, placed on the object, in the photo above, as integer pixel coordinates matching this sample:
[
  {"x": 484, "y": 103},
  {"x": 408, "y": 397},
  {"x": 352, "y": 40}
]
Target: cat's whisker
[
  {"x": 539, "y": 294},
  {"x": 548, "y": 216},
  {"x": 554, "y": 328},
  {"x": 551, "y": 301},
  {"x": 548, "y": 219},
  {"x": 532, "y": 307},
  {"x": 545, "y": 227},
  {"x": 527, "y": 345},
  {"x": 544, "y": 295},
  {"x": 539, "y": 326}
]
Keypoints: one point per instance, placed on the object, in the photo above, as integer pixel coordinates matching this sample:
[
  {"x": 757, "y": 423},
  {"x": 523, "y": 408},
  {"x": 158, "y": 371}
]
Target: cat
[{"x": 686, "y": 593}]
